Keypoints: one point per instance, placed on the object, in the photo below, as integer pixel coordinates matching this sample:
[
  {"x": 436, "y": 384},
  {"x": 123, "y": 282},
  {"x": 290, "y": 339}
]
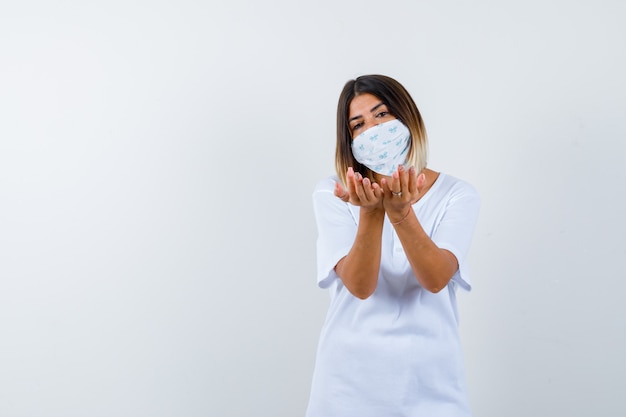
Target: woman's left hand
[{"x": 401, "y": 191}]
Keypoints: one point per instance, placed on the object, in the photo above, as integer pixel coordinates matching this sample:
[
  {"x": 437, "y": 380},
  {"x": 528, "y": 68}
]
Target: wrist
[
  {"x": 373, "y": 212},
  {"x": 395, "y": 219}
]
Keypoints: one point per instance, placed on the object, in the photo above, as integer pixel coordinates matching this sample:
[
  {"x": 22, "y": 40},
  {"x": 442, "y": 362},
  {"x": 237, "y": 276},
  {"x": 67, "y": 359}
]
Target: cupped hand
[
  {"x": 401, "y": 190},
  {"x": 360, "y": 191}
]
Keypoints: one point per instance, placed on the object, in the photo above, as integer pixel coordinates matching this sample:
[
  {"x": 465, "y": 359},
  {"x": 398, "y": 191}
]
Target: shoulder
[
  {"x": 326, "y": 184},
  {"x": 449, "y": 192},
  {"x": 327, "y": 206},
  {"x": 455, "y": 187}
]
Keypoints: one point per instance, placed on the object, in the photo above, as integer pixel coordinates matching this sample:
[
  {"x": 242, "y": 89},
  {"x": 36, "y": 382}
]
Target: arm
[
  {"x": 432, "y": 266},
  {"x": 358, "y": 270}
]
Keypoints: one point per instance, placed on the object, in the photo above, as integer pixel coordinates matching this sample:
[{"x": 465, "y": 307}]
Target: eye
[
  {"x": 357, "y": 126},
  {"x": 382, "y": 114}
]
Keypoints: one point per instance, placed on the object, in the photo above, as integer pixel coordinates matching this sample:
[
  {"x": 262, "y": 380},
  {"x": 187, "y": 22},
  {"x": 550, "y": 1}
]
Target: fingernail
[
  {"x": 401, "y": 168},
  {"x": 412, "y": 170}
]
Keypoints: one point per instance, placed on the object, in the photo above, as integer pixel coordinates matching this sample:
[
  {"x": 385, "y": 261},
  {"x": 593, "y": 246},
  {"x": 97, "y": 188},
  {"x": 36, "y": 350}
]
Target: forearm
[
  {"x": 433, "y": 267},
  {"x": 359, "y": 269}
]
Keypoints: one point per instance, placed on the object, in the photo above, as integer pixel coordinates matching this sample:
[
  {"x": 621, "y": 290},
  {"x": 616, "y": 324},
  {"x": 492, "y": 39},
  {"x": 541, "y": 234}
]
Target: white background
[{"x": 157, "y": 161}]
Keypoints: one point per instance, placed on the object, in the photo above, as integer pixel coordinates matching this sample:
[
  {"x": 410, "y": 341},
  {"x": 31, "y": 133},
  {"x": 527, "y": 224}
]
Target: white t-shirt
[{"x": 396, "y": 353}]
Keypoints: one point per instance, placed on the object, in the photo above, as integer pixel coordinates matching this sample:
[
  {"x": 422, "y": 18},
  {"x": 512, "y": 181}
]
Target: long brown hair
[{"x": 399, "y": 103}]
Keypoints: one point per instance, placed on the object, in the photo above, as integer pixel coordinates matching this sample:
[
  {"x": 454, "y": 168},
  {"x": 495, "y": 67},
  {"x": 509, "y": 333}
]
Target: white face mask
[{"x": 382, "y": 148}]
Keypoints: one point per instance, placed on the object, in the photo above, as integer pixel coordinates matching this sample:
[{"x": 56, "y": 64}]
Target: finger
[
  {"x": 413, "y": 181},
  {"x": 395, "y": 186},
  {"x": 404, "y": 179},
  {"x": 341, "y": 193},
  {"x": 368, "y": 189},
  {"x": 358, "y": 186},
  {"x": 421, "y": 181},
  {"x": 386, "y": 187},
  {"x": 378, "y": 191},
  {"x": 350, "y": 179}
]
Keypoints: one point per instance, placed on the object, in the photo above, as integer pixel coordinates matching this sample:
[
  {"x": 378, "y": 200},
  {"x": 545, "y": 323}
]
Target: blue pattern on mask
[{"x": 377, "y": 148}]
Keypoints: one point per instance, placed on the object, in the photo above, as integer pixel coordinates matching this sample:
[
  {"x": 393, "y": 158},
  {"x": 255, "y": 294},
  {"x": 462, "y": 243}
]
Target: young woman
[{"x": 393, "y": 238}]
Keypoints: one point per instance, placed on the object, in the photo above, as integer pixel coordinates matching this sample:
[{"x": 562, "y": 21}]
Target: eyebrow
[{"x": 373, "y": 109}]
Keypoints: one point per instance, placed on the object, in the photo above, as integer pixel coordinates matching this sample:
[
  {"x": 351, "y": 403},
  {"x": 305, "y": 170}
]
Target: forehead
[{"x": 362, "y": 105}]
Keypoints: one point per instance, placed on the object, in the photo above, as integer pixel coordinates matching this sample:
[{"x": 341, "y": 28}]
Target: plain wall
[{"x": 157, "y": 159}]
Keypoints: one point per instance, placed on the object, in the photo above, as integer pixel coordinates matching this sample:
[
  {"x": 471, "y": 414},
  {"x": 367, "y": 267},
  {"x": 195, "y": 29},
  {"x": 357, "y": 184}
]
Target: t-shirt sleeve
[
  {"x": 454, "y": 231},
  {"x": 336, "y": 229}
]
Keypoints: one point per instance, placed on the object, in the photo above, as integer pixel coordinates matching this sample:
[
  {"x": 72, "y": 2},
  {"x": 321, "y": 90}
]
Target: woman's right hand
[{"x": 360, "y": 191}]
